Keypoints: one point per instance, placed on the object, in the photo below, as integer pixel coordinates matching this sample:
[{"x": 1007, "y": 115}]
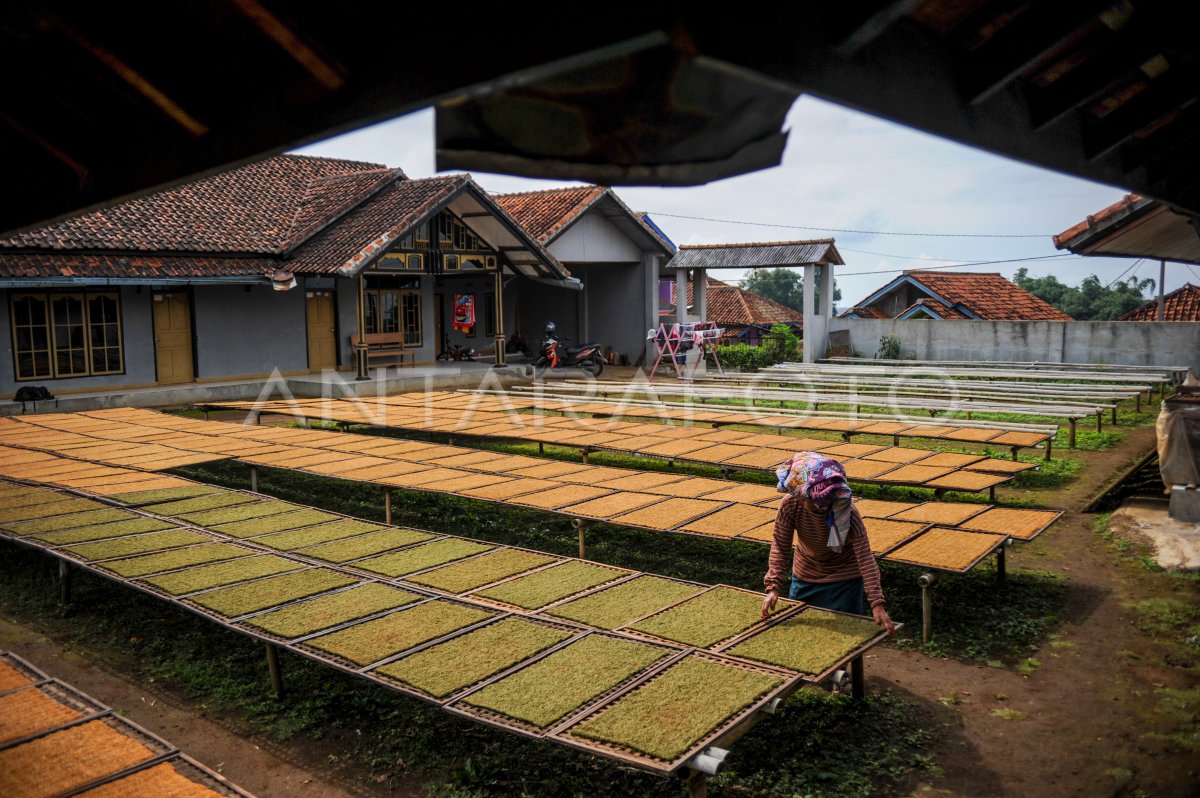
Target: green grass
[
  {"x": 624, "y": 603},
  {"x": 484, "y": 569},
  {"x": 165, "y": 494},
  {"x": 810, "y": 642},
  {"x": 225, "y": 573},
  {"x": 1175, "y": 624},
  {"x": 176, "y": 558},
  {"x": 271, "y": 592},
  {"x": 545, "y": 587},
  {"x": 706, "y": 619},
  {"x": 334, "y": 609},
  {"x": 548, "y": 690},
  {"x": 210, "y": 501},
  {"x": 347, "y": 549},
  {"x": 240, "y": 512},
  {"x": 464, "y": 660},
  {"x": 70, "y": 521},
  {"x": 275, "y": 523},
  {"x": 1053, "y": 473},
  {"x": 82, "y": 534},
  {"x": 976, "y": 618},
  {"x": 371, "y": 641},
  {"x": 312, "y": 535},
  {"x": 674, "y": 711},
  {"x": 420, "y": 557},
  {"x": 137, "y": 544}
]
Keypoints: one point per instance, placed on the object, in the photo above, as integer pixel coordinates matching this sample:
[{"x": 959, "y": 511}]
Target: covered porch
[{"x": 690, "y": 265}]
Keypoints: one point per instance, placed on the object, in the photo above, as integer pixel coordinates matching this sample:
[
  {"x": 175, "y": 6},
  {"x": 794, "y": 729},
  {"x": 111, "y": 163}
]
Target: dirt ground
[{"x": 1081, "y": 724}]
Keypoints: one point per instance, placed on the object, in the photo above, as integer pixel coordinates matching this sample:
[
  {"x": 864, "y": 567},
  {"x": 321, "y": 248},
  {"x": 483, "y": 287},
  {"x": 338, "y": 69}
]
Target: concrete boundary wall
[{"x": 1134, "y": 343}]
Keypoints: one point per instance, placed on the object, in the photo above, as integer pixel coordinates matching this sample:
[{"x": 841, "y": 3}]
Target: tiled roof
[
  {"x": 730, "y": 305},
  {"x": 1126, "y": 203},
  {"x": 862, "y": 312},
  {"x": 35, "y": 265},
  {"x": 1182, "y": 304},
  {"x": 988, "y": 296},
  {"x": 935, "y": 308},
  {"x": 258, "y": 208},
  {"x": 373, "y": 224},
  {"x": 755, "y": 254},
  {"x": 545, "y": 213}
]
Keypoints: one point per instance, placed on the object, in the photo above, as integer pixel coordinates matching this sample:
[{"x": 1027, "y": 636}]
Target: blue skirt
[{"x": 847, "y": 596}]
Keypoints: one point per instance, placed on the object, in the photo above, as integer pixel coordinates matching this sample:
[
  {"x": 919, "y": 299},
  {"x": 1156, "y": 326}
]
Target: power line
[
  {"x": 1134, "y": 265},
  {"x": 856, "y": 232},
  {"x": 954, "y": 265}
]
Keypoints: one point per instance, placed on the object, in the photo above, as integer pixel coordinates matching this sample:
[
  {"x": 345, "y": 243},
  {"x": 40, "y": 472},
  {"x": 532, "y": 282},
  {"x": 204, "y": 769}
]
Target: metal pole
[
  {"x": 857, "y": 677},
  {"x": 926, "y": 582},
  {"x": 1162, "y": 276},
  {"x": 387, "y": 506},
  {"x": 273, "y": 667},
  {"x": 253, "y": 479},
  {"x": 64, "y": 583},
  {"x": 581, "y": 525}
]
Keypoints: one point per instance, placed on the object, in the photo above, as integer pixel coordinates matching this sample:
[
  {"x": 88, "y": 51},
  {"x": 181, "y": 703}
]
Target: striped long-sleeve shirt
[{"x": 812, "y": 560}]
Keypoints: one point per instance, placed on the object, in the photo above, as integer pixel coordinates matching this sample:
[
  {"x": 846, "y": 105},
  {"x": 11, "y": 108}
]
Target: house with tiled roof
[
  {"x": 1182, "y": 304},
  {"x": 744, "y": 315},
  {"x": 954, "y": 296},
  {"x": 615, "y": 253},
  {"x": 272, "y": 266}
]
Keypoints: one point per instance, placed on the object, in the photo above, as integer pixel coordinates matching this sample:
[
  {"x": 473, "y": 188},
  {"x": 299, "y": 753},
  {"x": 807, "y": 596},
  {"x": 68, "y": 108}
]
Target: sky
[{"x": 917, "y": 200}]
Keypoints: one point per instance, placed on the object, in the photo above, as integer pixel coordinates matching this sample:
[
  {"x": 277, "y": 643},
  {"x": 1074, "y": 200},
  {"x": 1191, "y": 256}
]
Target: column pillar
[
  {"x": 700, "y": 293},
  {"x": 498, "y": 315},
  {"x": 681, "y": 295},
  {"x": 808, "y": 305}
]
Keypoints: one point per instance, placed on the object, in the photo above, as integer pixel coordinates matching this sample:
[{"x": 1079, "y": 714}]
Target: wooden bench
[{"x": 386, "y": 348}]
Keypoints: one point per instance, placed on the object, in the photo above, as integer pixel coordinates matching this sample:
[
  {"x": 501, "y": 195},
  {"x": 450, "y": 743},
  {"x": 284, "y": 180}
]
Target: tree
[
  {"x": 785, "y": 286},
  {"x": 1091, "y": 300}
]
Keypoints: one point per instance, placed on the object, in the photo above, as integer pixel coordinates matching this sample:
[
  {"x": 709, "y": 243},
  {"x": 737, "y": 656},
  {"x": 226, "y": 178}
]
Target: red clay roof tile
[
  {"x": 988, "y": 296},
  {"x": 545, "y": 213},
  {"x": 1182, "y": 304}
]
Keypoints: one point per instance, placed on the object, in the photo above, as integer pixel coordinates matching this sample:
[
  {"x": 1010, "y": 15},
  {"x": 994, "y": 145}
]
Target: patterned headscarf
[{"x": 823, "y": 482}]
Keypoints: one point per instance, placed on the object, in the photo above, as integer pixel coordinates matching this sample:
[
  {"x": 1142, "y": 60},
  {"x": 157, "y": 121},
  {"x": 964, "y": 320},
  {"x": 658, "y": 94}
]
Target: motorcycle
[{"x": 554, "y": 355}]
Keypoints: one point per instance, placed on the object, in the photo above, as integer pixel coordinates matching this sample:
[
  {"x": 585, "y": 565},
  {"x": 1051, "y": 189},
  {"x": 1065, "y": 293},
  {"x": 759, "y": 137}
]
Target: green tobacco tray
[
  {"x": 618, "y": 605},
  {"x": 313, "y": 615},
  {"x": 447, "y": 668},
  {"x": 552, "y": 584}
]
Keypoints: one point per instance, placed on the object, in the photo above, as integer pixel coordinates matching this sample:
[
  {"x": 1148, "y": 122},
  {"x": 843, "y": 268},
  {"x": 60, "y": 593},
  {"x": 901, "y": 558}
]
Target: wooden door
[
  {"x": 173, "y": 337},
  {"x": 439, "y": 319},
  {"x": 322, "y": 331}
]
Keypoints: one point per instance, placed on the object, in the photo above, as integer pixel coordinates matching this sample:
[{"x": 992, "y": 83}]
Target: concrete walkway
[{"x": 1176, "y": 543}]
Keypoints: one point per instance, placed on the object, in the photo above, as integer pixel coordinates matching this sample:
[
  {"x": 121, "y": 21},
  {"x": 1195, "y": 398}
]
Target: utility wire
[
  {"x": 952, "y": 265},
  {"x": 856, "y": 232},
  {"x": 1134, "y": 265}
]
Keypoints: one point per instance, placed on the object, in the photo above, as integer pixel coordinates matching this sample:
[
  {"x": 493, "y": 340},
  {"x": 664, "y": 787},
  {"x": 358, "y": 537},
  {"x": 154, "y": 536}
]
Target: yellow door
[
  {"x": 322, "y": 335},
  {"x": 173, "y": 337}
]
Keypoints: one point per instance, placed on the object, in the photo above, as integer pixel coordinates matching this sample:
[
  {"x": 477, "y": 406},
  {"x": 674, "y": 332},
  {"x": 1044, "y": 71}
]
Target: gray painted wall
[
  {"x": 615, "y": 309},
  {"x": 534, "y": 304},
  {"x": 594, "y": 239},
  {"x": 1136, "y": 343},
  {"x": 138, "y": 340},
  {"x": 255, "y": 331},
  {"x": 479, "y": 285}
]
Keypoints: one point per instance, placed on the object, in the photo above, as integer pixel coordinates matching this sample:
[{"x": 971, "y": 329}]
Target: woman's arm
[
  {"x": 779, "y": 562},
  {"x": 869, "y": 570}
]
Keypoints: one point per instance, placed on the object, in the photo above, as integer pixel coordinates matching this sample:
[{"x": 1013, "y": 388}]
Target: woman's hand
[
  {"x": 883, "y": 620},
  {"x": 768, "y": 607}
]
